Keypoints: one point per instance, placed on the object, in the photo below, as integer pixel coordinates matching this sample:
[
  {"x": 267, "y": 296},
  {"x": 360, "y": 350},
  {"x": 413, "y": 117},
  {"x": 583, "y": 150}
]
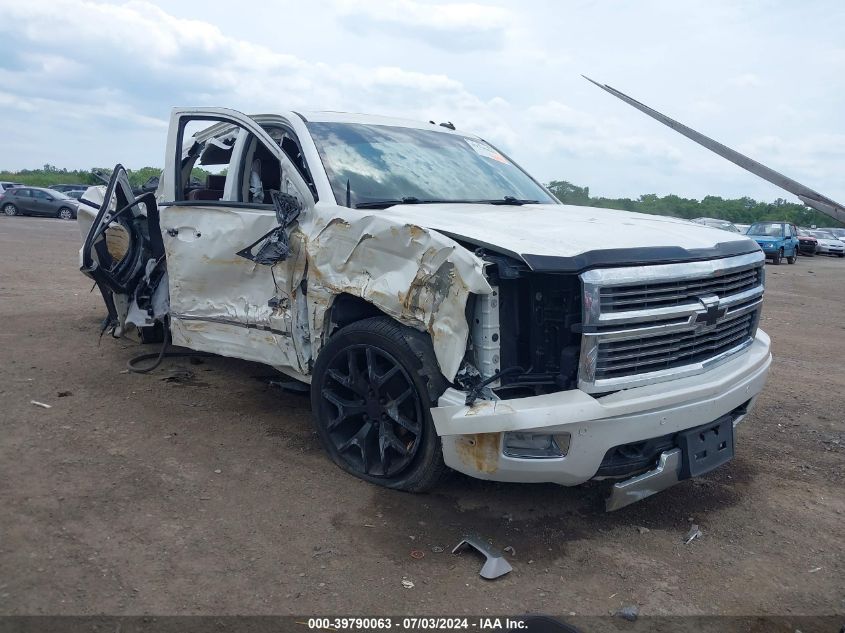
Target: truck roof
[{"x": 329, "y": 116}]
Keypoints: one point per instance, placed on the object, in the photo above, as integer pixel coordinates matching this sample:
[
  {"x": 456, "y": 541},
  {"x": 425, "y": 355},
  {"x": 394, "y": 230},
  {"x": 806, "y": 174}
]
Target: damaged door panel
[
  {"x": 274, "y": 247},
  {"x": 446, "y": 309},
  {"x": 221, "y": 300},
  {"x": 123, "y": 252}
]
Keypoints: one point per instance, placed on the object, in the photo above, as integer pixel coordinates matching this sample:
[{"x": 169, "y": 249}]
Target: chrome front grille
[
  {"x": 672, "y": 293},
  {"x": 622, "y": 358},
  {"x": 647, "y": 324}
]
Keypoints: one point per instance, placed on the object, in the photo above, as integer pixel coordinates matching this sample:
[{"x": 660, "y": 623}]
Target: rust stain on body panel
[{"x": 480, "y": 451}]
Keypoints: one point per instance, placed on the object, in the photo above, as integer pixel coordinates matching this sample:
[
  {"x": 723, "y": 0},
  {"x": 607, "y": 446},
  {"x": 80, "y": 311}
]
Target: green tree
[
  {"x": 743, "y": 210},
  {"x": 568, "y": 193}
]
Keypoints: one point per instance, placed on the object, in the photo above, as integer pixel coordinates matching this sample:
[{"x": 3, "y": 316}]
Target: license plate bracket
[{"x": 706, "y": 447}]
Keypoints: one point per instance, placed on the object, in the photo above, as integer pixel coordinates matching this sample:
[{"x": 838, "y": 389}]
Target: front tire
[
  {"x": 65, "y": 214},
  {"x": 373, "y": 385},
  {"x": 10, "y": 209},
  {"x": 777, "y": 257}
]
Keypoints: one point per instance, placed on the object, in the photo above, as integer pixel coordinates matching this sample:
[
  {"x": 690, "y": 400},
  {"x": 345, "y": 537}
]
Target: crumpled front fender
[{"x": 417, "y": 276}]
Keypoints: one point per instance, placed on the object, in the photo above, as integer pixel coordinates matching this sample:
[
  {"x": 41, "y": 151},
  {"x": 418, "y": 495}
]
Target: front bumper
[
  {"x": 831, "y": 250},
  {"x": 770, "y": 248},
  {"x": 472, "y": 435}
]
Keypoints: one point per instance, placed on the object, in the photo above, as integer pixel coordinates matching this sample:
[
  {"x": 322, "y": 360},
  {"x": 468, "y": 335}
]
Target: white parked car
[
  {"x": 447, "y": 311},
  {"x": 839, "y": 234},
  {"x": 828, "y": 243}
]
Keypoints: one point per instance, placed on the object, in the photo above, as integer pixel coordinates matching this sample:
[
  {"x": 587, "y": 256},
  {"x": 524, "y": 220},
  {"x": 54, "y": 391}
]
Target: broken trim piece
[
  {"x": 249, "y": 326},
  {"x": 495, "y": 564},
  {"x": 665, "y": 475}
]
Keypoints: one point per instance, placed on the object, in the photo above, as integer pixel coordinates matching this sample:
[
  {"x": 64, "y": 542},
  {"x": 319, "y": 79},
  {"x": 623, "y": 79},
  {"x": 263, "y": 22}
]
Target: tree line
[
  {"x": 739, "y": 210},
  {"x": 50, "y": 175},
  {"x": 742, "y": 210}
]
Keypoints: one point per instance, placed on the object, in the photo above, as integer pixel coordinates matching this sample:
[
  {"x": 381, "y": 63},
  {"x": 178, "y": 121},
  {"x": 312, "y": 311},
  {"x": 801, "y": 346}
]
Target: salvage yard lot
[{"x": 200, "y": 488}]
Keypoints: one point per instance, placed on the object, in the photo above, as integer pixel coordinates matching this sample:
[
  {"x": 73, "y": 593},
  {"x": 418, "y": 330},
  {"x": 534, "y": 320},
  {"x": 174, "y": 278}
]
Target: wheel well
[{"x": 346, "y": 309}]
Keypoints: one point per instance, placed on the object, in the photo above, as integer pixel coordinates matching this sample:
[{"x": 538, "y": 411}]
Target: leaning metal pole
[{"x": 808, "y": 196}]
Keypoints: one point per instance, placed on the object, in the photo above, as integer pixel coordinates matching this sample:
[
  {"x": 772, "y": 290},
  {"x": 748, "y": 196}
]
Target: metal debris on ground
[
  {"x": 41, "y": 404},
  {"x": 693, "y": 534},
  {"x": 293, "y": 386},
  {"x": 630, "y": 613},
  {"x": 509, "y": 549},
  {"x": 436, "y": 549},
  {"x": 495, "y": 564},
  {"x": 178, "y": 375},
  {"x": 417, "y": 554},
  {"x": 407, "y": 583}
]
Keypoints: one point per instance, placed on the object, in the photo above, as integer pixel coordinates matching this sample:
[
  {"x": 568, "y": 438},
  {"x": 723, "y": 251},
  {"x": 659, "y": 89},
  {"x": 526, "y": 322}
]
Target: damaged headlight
[{"x": 535, "y": 445}]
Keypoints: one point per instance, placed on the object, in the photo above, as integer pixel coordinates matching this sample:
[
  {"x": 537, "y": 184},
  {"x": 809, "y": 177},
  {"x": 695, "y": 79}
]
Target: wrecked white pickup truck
[{"x": 446, "y": 309}]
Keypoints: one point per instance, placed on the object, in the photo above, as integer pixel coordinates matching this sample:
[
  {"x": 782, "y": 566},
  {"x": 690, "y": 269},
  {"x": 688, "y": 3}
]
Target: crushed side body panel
[{"x": 417, "y": 276}]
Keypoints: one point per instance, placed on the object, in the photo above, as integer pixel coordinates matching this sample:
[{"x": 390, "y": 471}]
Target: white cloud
[
  {"x": 463, "y": 25},
  {"x": 745, "y": 80},
  {"x": 87, "y": 82},
  {"x": 447, "y": 17}
]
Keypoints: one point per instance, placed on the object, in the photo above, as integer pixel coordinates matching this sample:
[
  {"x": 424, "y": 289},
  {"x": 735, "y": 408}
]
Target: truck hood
[{"x": 570, "y": 238}]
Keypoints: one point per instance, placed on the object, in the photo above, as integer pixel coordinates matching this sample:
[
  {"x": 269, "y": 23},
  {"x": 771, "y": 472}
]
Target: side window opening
[
  {"x": 223, "y": 161},
  {"x": 210, "y": 163},
  {"x": 215, "y": 156},
  {"x": 287, "y": 140},
  {"x": 263, "y": 174}
]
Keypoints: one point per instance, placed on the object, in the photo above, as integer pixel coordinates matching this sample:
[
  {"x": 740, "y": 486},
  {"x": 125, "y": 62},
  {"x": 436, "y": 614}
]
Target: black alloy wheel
[
  {"x": 377, "y": 424},
  {"x": 371, "y": 396}
]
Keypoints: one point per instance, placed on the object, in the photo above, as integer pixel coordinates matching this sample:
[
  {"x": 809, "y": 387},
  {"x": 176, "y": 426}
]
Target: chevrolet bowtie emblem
[{"x": 713, "y": 312}]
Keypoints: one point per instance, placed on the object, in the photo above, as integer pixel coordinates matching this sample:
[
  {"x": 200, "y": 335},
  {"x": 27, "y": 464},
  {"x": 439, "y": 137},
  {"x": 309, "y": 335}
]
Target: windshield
[
  {"x": 839, "y": 233},
  {"x": 772, "y": 229},
  {"x": 382, "y": 162},
  {"x": 59, "y": 195},
  {"x": 824, "y": 235}
]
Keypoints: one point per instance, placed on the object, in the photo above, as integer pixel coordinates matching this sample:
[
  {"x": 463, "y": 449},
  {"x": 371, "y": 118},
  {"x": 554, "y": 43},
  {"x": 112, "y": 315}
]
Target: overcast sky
[{"x": 86, "y": 83}]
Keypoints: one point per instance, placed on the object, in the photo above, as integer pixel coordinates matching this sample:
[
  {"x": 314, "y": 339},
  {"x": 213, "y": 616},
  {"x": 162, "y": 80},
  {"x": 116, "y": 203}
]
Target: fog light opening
[{"x": 535, "y": 445}]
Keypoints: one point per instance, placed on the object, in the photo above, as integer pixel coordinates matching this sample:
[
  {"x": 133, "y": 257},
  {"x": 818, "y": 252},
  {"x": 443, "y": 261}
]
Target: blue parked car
[{"x": 777, "y": 239}]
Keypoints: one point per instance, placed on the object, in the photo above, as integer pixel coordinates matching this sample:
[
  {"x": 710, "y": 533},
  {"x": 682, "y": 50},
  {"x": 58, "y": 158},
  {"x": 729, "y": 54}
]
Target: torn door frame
[{"x": 417, "y": 276}]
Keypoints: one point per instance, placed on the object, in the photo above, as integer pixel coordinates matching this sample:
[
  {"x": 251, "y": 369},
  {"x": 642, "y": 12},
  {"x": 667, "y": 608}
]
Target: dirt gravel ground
[{"x": 201, "y": 489}]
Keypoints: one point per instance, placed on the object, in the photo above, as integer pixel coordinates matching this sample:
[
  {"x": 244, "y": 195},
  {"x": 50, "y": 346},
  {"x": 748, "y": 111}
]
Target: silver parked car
[
  {"x": 38, "y": 201},
  {"x": 718, "y": 223}
]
